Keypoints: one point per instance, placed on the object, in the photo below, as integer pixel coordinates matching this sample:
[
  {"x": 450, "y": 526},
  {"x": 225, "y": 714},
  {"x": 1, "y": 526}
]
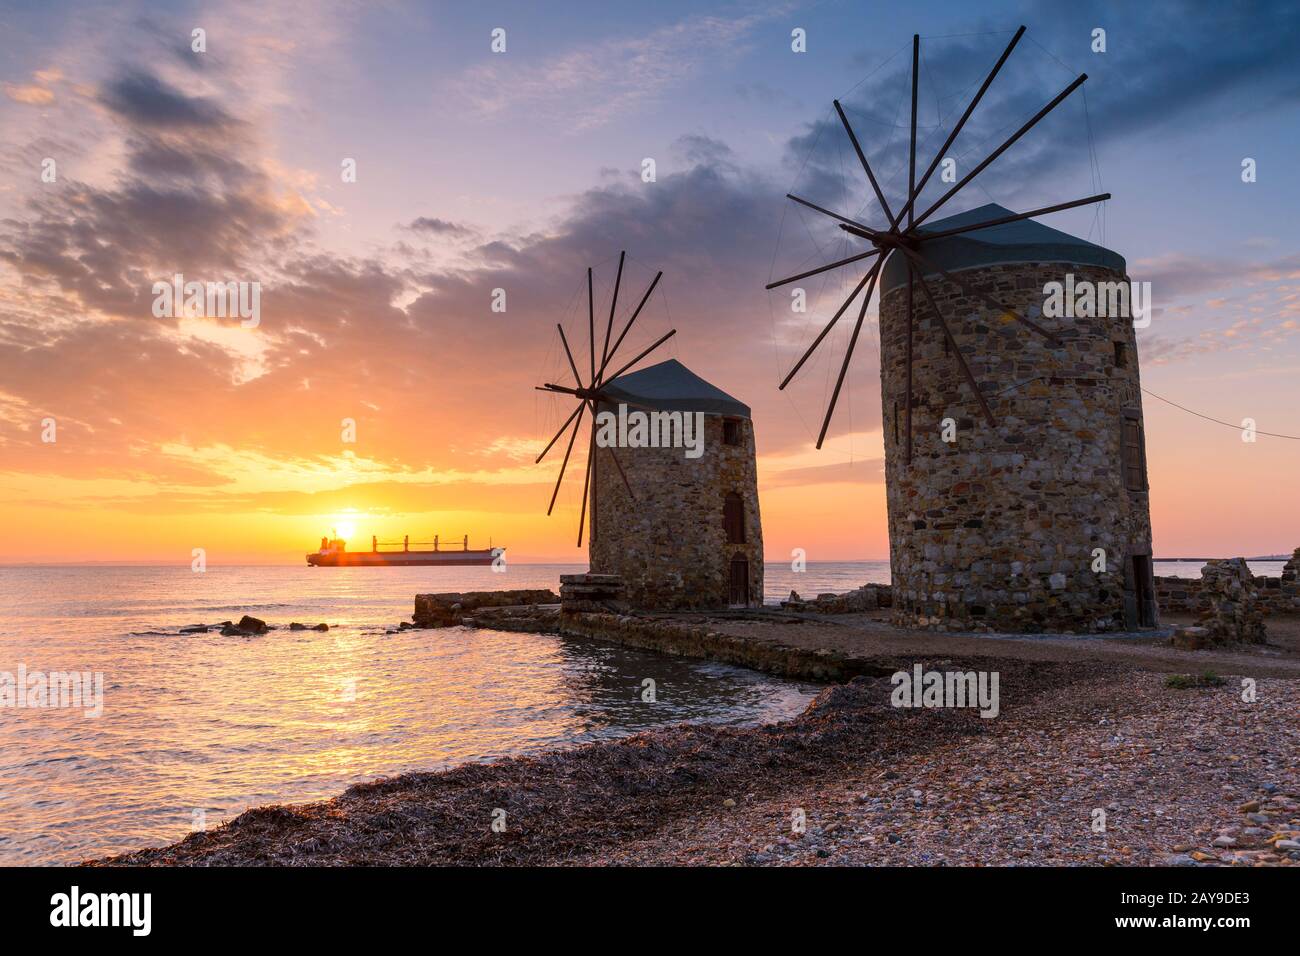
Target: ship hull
[{"x": 401, "y": 559}]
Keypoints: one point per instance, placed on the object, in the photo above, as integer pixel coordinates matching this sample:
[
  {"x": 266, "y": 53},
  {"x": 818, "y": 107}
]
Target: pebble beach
[{"x": 1088, "y": 763}]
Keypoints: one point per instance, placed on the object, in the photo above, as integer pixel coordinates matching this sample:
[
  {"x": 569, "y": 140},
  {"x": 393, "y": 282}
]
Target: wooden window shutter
[{"x": 1133, "y": 454}]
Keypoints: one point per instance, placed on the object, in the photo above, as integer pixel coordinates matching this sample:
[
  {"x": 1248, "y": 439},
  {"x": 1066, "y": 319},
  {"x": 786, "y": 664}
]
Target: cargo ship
[{"x": 333, "y": 553}]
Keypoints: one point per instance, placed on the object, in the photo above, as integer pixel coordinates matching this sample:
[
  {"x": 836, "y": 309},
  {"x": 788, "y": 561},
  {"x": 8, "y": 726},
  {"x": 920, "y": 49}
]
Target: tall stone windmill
[{"x": 1014, "y": 449}]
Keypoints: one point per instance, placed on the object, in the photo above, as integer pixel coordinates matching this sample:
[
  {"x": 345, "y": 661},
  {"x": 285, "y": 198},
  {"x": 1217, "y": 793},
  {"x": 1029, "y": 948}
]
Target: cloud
[
  {"x": 37, "y": 93},
  {"x": 698, "y": 149},
  {"x": 30, "y": 94},
  {"x": 145, "y": 100},
  {"x": 1182, "y": 274},
  {"x": 438, "y": 227},
  {"x": 625, "y": 72},
  {"x": 430, "y": 383},
  {"x": 412, "y": 352},
  {"x": 375, "y": 498},
  {"x": 184, "y": 202},
  {"x": 1192, "y": 58},
  {"x": 868, "y": 471}
]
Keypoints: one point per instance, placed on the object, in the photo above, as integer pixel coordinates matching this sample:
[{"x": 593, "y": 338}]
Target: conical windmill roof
[
  {"x": 671, "y": 387},
  {"x": 1009, "y": 243}
]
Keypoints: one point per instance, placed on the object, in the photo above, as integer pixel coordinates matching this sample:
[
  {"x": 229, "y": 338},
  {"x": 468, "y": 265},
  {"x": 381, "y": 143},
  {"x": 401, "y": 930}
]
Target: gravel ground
[
  {"x": 871, "y": 636},
  {"x": 1184, "y": 777},
  {"x": 1175, "y": 770}
]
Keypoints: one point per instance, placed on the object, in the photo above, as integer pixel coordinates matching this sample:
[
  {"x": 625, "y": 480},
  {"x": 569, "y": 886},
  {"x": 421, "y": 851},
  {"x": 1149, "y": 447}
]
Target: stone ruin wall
[
  {"x": 669, "y": 545},
  {"x": 1235, "y": 613},
  {"x": 1280, "y": 595},
  {"x": 997, "y": 530}
]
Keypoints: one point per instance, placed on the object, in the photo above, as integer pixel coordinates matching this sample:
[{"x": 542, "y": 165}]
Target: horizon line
[{"x": 147, "y": 563}]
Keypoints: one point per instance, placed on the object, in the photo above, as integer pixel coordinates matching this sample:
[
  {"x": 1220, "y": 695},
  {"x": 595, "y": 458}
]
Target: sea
[
  {"x": 192, "y": 729},
  {"x": 195, "y": 728}
]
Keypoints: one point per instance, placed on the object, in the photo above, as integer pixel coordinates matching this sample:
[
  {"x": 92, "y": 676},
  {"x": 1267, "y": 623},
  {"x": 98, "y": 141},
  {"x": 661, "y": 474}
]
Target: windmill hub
[{"x": 896, "y": 241}]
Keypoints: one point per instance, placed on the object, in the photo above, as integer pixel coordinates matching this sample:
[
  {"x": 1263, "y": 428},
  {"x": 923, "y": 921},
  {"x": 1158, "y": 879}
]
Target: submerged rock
[{"x": 247, "y": 625}]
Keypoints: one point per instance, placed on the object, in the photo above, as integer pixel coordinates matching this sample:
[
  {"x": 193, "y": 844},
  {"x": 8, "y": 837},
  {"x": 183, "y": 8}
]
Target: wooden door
[
  {"x": 739, "y": 582},
  {"x": 1144, "y": 590}
]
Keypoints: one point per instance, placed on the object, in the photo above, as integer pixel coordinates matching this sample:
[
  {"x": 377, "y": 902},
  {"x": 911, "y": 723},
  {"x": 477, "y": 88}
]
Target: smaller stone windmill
[{"x": 683, "y": 531}]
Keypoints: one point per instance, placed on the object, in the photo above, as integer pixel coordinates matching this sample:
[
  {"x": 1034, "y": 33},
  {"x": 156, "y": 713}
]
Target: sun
[{"x": 344, "y": 527}]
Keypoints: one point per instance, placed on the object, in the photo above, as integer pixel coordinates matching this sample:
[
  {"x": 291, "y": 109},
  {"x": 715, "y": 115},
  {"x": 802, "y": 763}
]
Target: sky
[{"x": 478, "y": 170}]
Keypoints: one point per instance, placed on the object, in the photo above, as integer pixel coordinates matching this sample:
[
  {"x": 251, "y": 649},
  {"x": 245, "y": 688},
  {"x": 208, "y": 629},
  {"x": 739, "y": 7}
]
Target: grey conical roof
[
  {"x": 1012, "y": 242},
  {"x": 671, "y": 387}
]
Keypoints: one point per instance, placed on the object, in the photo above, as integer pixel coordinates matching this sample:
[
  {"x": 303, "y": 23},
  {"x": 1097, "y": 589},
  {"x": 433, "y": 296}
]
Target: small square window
[
  {"x": 731, "y": 431},
  {"x": 1121, "y": 355}
]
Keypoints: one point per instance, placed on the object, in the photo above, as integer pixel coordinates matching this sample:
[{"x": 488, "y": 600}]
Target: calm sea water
[
  {"x": 1192, "y": 569},
  {"x": 200, "y": 725}
]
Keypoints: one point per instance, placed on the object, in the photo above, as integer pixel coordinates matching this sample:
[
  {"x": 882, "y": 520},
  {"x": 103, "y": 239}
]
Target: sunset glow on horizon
[{"x": 380, "y": 395}]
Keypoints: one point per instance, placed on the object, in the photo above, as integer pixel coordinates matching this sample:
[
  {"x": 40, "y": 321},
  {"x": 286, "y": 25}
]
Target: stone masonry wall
[
  {"x": 1280, "y": 595},
  {"x": 998, "y": 529},
  {"x": 669, "y": 544},
  {"x": 1288, "y": 585},
  {"x": 1181, "y": 594},
  {"x": 1235, "y": 613}
]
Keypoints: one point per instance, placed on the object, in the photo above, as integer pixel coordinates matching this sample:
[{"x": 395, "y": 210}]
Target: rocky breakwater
[
  {"x": 581, "y": 593},
  {"x": 702, "y": 637},
  {"x": 1235, "y": 613},
  {"x": 869, "y": 597},
  {"x": 459, "y": 607}
]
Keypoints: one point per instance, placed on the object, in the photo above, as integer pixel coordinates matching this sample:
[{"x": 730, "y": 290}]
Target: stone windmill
[
  {"x": 684, "y": 530},
  {"x": 1014, "y": 449}
]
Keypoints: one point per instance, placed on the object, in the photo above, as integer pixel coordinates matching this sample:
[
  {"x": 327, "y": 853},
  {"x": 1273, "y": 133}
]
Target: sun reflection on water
[{"x": 201, "y": 721}]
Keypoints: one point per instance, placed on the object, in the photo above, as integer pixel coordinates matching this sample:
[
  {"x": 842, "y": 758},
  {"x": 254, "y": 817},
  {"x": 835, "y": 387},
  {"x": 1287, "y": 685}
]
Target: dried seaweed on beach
[{"x": 569, "y": 803}]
